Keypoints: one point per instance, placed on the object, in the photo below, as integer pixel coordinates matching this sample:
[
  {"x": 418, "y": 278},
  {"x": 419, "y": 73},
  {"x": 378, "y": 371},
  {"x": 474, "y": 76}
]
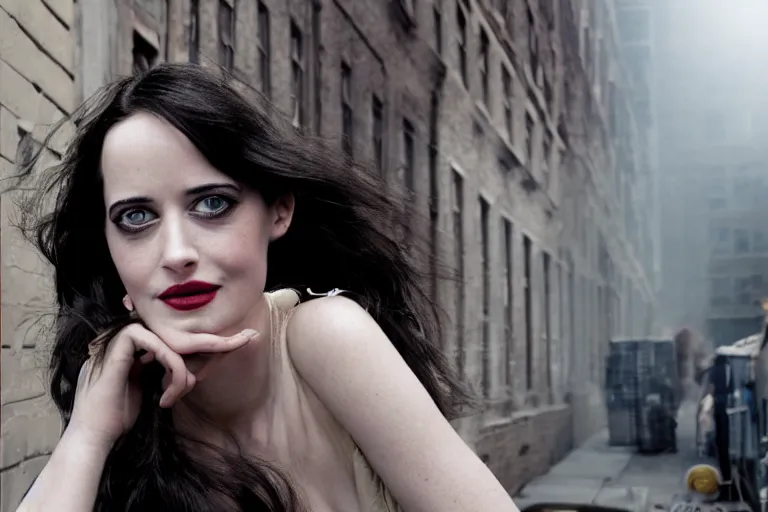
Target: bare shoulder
[
  {"x": 326, "y": 316},
  {"x": 333, "y": 330},
  {"x": 356, "y": 372}
]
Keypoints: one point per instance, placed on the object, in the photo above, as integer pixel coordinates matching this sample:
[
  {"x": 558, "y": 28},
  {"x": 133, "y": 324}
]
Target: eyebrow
[{"x": 132, "y": 201}]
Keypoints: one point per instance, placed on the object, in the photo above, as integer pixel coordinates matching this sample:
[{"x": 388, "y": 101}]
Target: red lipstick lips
[{"x": 190, "y": 295}]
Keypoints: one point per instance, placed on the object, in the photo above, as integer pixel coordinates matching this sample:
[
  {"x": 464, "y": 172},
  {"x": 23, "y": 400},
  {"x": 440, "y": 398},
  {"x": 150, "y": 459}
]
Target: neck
[{"x": 233, "y": 389}]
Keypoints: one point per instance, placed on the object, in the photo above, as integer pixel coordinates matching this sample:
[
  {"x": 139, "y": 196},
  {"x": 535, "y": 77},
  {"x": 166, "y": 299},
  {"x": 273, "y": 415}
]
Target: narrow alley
[{"x": 618, "y": 476}]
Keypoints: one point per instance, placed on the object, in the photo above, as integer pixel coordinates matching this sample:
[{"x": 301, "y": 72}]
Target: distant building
[
  {"x": 712, "y": 147},
  {"x": 513, "y": 124}
]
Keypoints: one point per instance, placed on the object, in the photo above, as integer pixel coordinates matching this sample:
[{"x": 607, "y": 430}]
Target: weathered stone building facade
[
  {"x": 495, "y": 115},
  {"x": 37, "y": 87}
]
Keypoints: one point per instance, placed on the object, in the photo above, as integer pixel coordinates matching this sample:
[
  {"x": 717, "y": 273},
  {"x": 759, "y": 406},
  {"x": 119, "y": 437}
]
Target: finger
[
  {"x": 168, "y": 380},
  {"x": 175, "y": 374},
  {"x": 189, "y": 384},
  {"x": 191, "y": 380},
  {"x": 175, "y": 368},
  {"x": 209, "y": 343}
]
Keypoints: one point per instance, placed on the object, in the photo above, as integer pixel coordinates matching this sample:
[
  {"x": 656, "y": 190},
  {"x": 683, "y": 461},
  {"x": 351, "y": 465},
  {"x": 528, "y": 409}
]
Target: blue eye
[
  {"x": 212, "y": 206},
  {"x": 136, "y": 218}
]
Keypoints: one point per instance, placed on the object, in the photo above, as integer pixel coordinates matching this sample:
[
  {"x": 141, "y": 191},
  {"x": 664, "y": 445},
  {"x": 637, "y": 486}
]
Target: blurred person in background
[{"x": 692, "y": 357}]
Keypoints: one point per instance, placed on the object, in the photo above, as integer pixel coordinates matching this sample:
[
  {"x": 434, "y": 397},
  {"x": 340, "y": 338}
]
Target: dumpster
[{"x": 641, "y": 384}]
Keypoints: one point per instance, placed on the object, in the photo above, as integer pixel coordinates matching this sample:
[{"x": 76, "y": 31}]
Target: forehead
[{"x": 145, "y": 155}]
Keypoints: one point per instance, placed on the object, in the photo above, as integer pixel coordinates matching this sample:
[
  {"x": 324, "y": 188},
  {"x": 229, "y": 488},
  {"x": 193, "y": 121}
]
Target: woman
[{"x": 183, "y": 386}]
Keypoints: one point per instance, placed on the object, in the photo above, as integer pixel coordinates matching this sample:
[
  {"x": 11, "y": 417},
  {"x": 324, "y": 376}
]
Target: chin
[{"x": 201, "y": 322}]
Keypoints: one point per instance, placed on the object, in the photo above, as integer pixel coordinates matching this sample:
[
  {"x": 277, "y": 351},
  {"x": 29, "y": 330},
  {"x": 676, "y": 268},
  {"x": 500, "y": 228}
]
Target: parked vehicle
[{"x": 733, "y": 418}]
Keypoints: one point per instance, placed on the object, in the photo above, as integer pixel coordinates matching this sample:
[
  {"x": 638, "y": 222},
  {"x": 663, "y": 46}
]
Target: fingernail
[{"x": 249, "y": 333}]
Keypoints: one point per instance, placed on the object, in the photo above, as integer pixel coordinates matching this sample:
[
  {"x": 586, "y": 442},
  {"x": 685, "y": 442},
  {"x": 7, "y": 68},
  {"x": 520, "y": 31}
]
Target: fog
[{"x": 711, "y": 99}]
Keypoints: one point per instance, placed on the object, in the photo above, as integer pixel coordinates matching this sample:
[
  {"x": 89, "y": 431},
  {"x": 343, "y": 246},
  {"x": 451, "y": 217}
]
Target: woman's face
[{"x": 173, "y": 219}]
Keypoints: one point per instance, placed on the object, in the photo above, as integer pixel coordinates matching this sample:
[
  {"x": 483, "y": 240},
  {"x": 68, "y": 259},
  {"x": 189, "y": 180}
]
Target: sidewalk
[
  {"x": 618, "y": 476},
  {"x": 586, "y": 476}
]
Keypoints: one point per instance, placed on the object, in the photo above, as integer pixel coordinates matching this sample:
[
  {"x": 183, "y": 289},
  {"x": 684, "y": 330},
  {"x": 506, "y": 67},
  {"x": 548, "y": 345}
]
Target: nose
[{"x": 179, "y": 252}]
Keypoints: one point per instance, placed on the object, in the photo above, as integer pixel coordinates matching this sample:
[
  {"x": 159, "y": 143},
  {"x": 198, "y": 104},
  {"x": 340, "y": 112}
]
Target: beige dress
[{"x": 372, "y": 495}]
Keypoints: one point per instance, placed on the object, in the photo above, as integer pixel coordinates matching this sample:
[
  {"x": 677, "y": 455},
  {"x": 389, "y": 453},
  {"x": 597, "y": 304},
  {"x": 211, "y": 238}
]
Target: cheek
[
  {"x": 133, "y": 264},
  {"x": 241, "y": 247},
  {"x": 241, "y": 256}
]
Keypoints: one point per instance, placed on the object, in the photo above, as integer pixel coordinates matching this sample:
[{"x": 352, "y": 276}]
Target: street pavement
[{"x": 618, "y": 476}]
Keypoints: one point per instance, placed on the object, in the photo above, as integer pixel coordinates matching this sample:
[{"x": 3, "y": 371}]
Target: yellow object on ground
[{"x": 703, "y": 479}]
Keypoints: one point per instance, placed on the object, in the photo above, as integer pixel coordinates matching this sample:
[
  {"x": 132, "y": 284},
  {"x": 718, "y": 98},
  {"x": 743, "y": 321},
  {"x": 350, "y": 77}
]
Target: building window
[
  {"x": 484, "y": 68},
  {"x": 265, "y": 64},
  {"x": 759, "y": 241},
  {"x": 378, "y": 133},
  {"x": 603, "y": 62},
  {"x": 587, "y": 42},
  {"x": 741, "y": 241},
  {"x": 720, "y": 238},
  {"x": 226, "y": 35},
  {"x": 528, "y": 313},
  {"x": 743, "y": 290},
  {"x": 194, "y": 31},
  {"x": 571, "y": 314},
  {"x": 720, "y": 292},
  {"x": 547, "y": 263},
  {"x": 408, "y": 157},
  {"x": 438, "y": 22},
  {"x": 717, "y": 202},
  {"x": 506, "y": 82},
  {"x": 596, "y": 67},
  {"x": 144, "y": 54},
  {"x": 461, "y": 22},
  {"x": 529, "y": 127},
  {"x": 602, "y": 336},
  {"x": 561, "y": 301},
  {"x": 346, "y": 108},
  {"x": 458, "y": 251},
  {"x": 317, "y": 64},
  {"x": 434, "y": 196},
  {"x": 298, "y": 116},
  {"x": 506, "y": 255},
  {"x": 486, "y": 283}
]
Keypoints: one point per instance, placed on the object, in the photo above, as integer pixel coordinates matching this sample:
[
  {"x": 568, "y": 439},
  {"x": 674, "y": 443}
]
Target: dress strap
[{"x": 332, "y": 293}]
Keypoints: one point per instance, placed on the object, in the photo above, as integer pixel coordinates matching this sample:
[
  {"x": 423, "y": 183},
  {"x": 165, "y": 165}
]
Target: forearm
[{"x": 70, "y": 480}]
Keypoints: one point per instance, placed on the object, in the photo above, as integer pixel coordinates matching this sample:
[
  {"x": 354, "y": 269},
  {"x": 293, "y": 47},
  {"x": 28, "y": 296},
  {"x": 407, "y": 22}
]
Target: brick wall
[
  {"x": 527, "y": 445},
  {"x": 37, "y": 62},
  {"x": 547, "y": 198}
]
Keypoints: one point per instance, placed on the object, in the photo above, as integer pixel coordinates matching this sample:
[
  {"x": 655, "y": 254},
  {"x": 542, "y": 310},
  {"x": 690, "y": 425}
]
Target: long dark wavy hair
[{"x": 343, "y": 235}]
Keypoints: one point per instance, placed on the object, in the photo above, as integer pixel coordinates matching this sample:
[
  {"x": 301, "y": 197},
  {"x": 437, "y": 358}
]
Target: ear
[
  {"x": 281, "y": 215},
  {"x": 128, "y": 303}
]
